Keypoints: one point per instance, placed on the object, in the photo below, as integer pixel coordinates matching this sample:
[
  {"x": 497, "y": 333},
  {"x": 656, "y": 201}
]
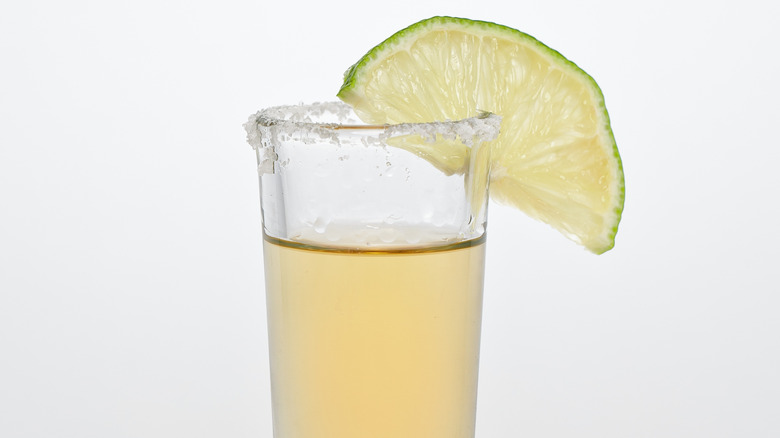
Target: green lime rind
[
  {"x": 403, "y": 38},
  {"x": 396, "y": 39}
]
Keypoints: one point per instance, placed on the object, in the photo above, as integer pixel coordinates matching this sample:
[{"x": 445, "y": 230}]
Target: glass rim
[{"x": 296, "y": 119}]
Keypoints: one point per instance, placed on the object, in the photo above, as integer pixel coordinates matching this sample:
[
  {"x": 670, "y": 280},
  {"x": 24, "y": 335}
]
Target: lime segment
[{"x": 556, "y": 157}]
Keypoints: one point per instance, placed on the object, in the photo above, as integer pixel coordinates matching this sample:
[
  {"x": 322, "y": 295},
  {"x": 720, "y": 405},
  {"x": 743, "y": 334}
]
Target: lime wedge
[{"x": 555, "y": 159}]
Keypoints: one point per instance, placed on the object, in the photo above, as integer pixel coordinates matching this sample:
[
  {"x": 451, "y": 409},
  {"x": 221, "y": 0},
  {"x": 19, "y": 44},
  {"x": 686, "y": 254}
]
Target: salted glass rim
[{"x": 300, "y": 119}]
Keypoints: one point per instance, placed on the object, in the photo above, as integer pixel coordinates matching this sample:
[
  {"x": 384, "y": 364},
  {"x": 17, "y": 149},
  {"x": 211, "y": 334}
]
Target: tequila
[{"x": 380, "y": 344}]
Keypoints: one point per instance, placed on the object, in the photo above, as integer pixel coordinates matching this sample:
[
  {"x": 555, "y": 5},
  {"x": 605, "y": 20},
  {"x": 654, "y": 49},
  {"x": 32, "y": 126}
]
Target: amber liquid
[{"x": 380, "y": 344}]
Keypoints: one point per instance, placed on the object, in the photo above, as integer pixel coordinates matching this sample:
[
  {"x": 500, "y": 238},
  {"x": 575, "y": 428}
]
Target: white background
[{"x": 131, "y": 300}]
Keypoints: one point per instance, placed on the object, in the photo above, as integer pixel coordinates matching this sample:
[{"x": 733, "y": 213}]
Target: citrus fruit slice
[{"x": 556, "y": 157}]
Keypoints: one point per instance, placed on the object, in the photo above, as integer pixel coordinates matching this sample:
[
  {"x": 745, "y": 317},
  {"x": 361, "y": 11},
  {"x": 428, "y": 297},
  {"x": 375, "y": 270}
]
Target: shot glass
[{"x": 374, "y": 253}]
